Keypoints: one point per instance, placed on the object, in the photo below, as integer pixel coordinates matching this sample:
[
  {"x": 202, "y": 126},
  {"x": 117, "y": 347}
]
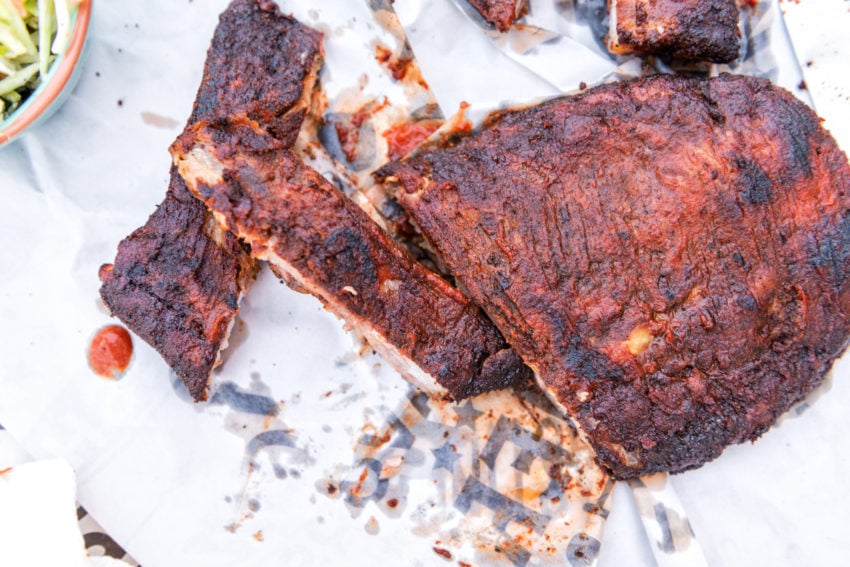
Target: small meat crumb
[{"x": 444, "y": 553}]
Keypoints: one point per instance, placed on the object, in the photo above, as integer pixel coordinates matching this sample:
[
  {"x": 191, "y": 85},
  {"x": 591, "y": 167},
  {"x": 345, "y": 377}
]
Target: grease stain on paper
[
  {"x": 253, "y": 415},
  {"x": 499, "y": 479},
  {"x": 159, "y": 121}
]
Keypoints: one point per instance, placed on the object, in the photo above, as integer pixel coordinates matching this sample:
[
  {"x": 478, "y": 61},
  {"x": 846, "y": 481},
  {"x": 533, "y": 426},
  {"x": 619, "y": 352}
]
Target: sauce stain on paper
[
  {"x": 110, "y": 352},
  {"x": 402, "y": 138}
]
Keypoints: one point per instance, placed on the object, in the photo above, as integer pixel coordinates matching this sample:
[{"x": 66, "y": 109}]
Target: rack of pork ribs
[
  {"x": 177, "y": 281},
  {"x": 667, "y": 256}
]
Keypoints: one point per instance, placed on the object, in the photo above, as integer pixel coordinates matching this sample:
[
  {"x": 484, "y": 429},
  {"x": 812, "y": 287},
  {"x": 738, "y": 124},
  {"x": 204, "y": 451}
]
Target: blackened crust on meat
[
  {"x": 176, "y": 282},
  {"x": 257, "y": 66},
  {"x": 501, "y": 13},
  {"x": 668, "y": 254},
  {"x": 694, "y": 30},
  {"x": 324, "y": 244}
]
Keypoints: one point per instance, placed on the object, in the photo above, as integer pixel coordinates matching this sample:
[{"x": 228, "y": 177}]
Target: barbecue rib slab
[
  {"x": 177, "y": 280},
  {"x": 322, "y": 243},
  {"x": 501, "y": 13},
  {"x": 693, "y": 30},
  {"x": 669, "y": 255}
]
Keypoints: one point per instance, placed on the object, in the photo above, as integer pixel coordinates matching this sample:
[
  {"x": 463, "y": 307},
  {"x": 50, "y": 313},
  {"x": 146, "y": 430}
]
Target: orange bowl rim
[{"x": 60, "y": 78}]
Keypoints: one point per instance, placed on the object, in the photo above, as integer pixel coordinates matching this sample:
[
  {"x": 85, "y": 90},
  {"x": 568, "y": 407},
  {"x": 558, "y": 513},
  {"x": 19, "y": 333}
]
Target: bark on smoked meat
[
  {"x": 177, "y": 280},
  {"x": 669, "y": 255},
  {"x": 501, "y": 13},
  {"x": 322, "y": 243},
  {"x": 176, "y": 283},
  {"x": 695, "y": 30}
]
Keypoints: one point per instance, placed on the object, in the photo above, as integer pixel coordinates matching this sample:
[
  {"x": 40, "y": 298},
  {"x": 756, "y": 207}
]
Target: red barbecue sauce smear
[
  {"x": 402, "y": 138},
  {"x": 110, "y": 351}
]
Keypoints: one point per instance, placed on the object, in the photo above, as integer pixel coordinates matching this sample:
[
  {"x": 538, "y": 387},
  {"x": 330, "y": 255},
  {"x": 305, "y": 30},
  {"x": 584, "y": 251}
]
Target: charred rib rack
[
  {"x": 320, "y": 242},
  {"x": 669, "y": 255}
]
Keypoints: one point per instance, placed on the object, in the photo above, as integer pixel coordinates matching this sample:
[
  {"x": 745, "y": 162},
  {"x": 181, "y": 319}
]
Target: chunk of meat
[
  {"x": 669, "y": 255},
  {"x": 322, "y": 243},
  {"x": 501, "y": 13},
  {"x": 263, "y": 65},
  {"x": 693, "y": 30},
  {"x": 177, "y": 280}
]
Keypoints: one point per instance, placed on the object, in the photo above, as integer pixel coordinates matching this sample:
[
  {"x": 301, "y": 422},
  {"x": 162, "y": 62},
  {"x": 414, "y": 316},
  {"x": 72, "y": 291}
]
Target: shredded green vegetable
[{"x": 32, "y": 33}]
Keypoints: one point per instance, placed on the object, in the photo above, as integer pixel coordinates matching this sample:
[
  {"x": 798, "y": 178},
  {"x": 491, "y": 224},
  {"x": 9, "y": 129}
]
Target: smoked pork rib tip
[
  {"x": 176, "y": 283},
  {"x": 177, "y": 280},
  {"x": 693, "y": 30},
  {"x": 322, "y": 243},
  {"x": 501, "y": 13},
  {"x": 263, "y": 65},
  {"x": 669, "y": 255}
]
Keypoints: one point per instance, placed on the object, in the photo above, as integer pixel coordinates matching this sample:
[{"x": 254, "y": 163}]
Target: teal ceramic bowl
[{"x": 58, "y": 83}]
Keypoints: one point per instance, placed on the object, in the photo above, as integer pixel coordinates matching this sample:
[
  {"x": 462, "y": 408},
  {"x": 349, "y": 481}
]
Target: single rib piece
[
  {"x": 693, "y": 30},
  {"x": 263, "y": 65},
  {"x": 501, "y": 13},
  {"x": 669, "y": 255},
  {"x": 322, "y": 243},
  {"x": 176, "y": 281}
]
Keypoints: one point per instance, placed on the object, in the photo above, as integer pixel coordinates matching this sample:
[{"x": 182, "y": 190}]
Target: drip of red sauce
[
  {"x": 110, "y": 351},
  {"x": 348, "y": 137},
  {"x": 402, "y": 138},
  {"x": 348, "y": 131}
]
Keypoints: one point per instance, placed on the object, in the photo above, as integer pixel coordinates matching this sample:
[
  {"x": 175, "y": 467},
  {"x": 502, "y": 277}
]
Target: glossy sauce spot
[
  {"x": 110, "y": 351},
  {"x": 402, "y": 138}
]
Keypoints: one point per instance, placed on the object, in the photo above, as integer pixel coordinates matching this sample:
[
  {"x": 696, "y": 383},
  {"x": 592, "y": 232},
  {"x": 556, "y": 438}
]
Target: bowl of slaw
[{"x": 41, "y": 48}]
